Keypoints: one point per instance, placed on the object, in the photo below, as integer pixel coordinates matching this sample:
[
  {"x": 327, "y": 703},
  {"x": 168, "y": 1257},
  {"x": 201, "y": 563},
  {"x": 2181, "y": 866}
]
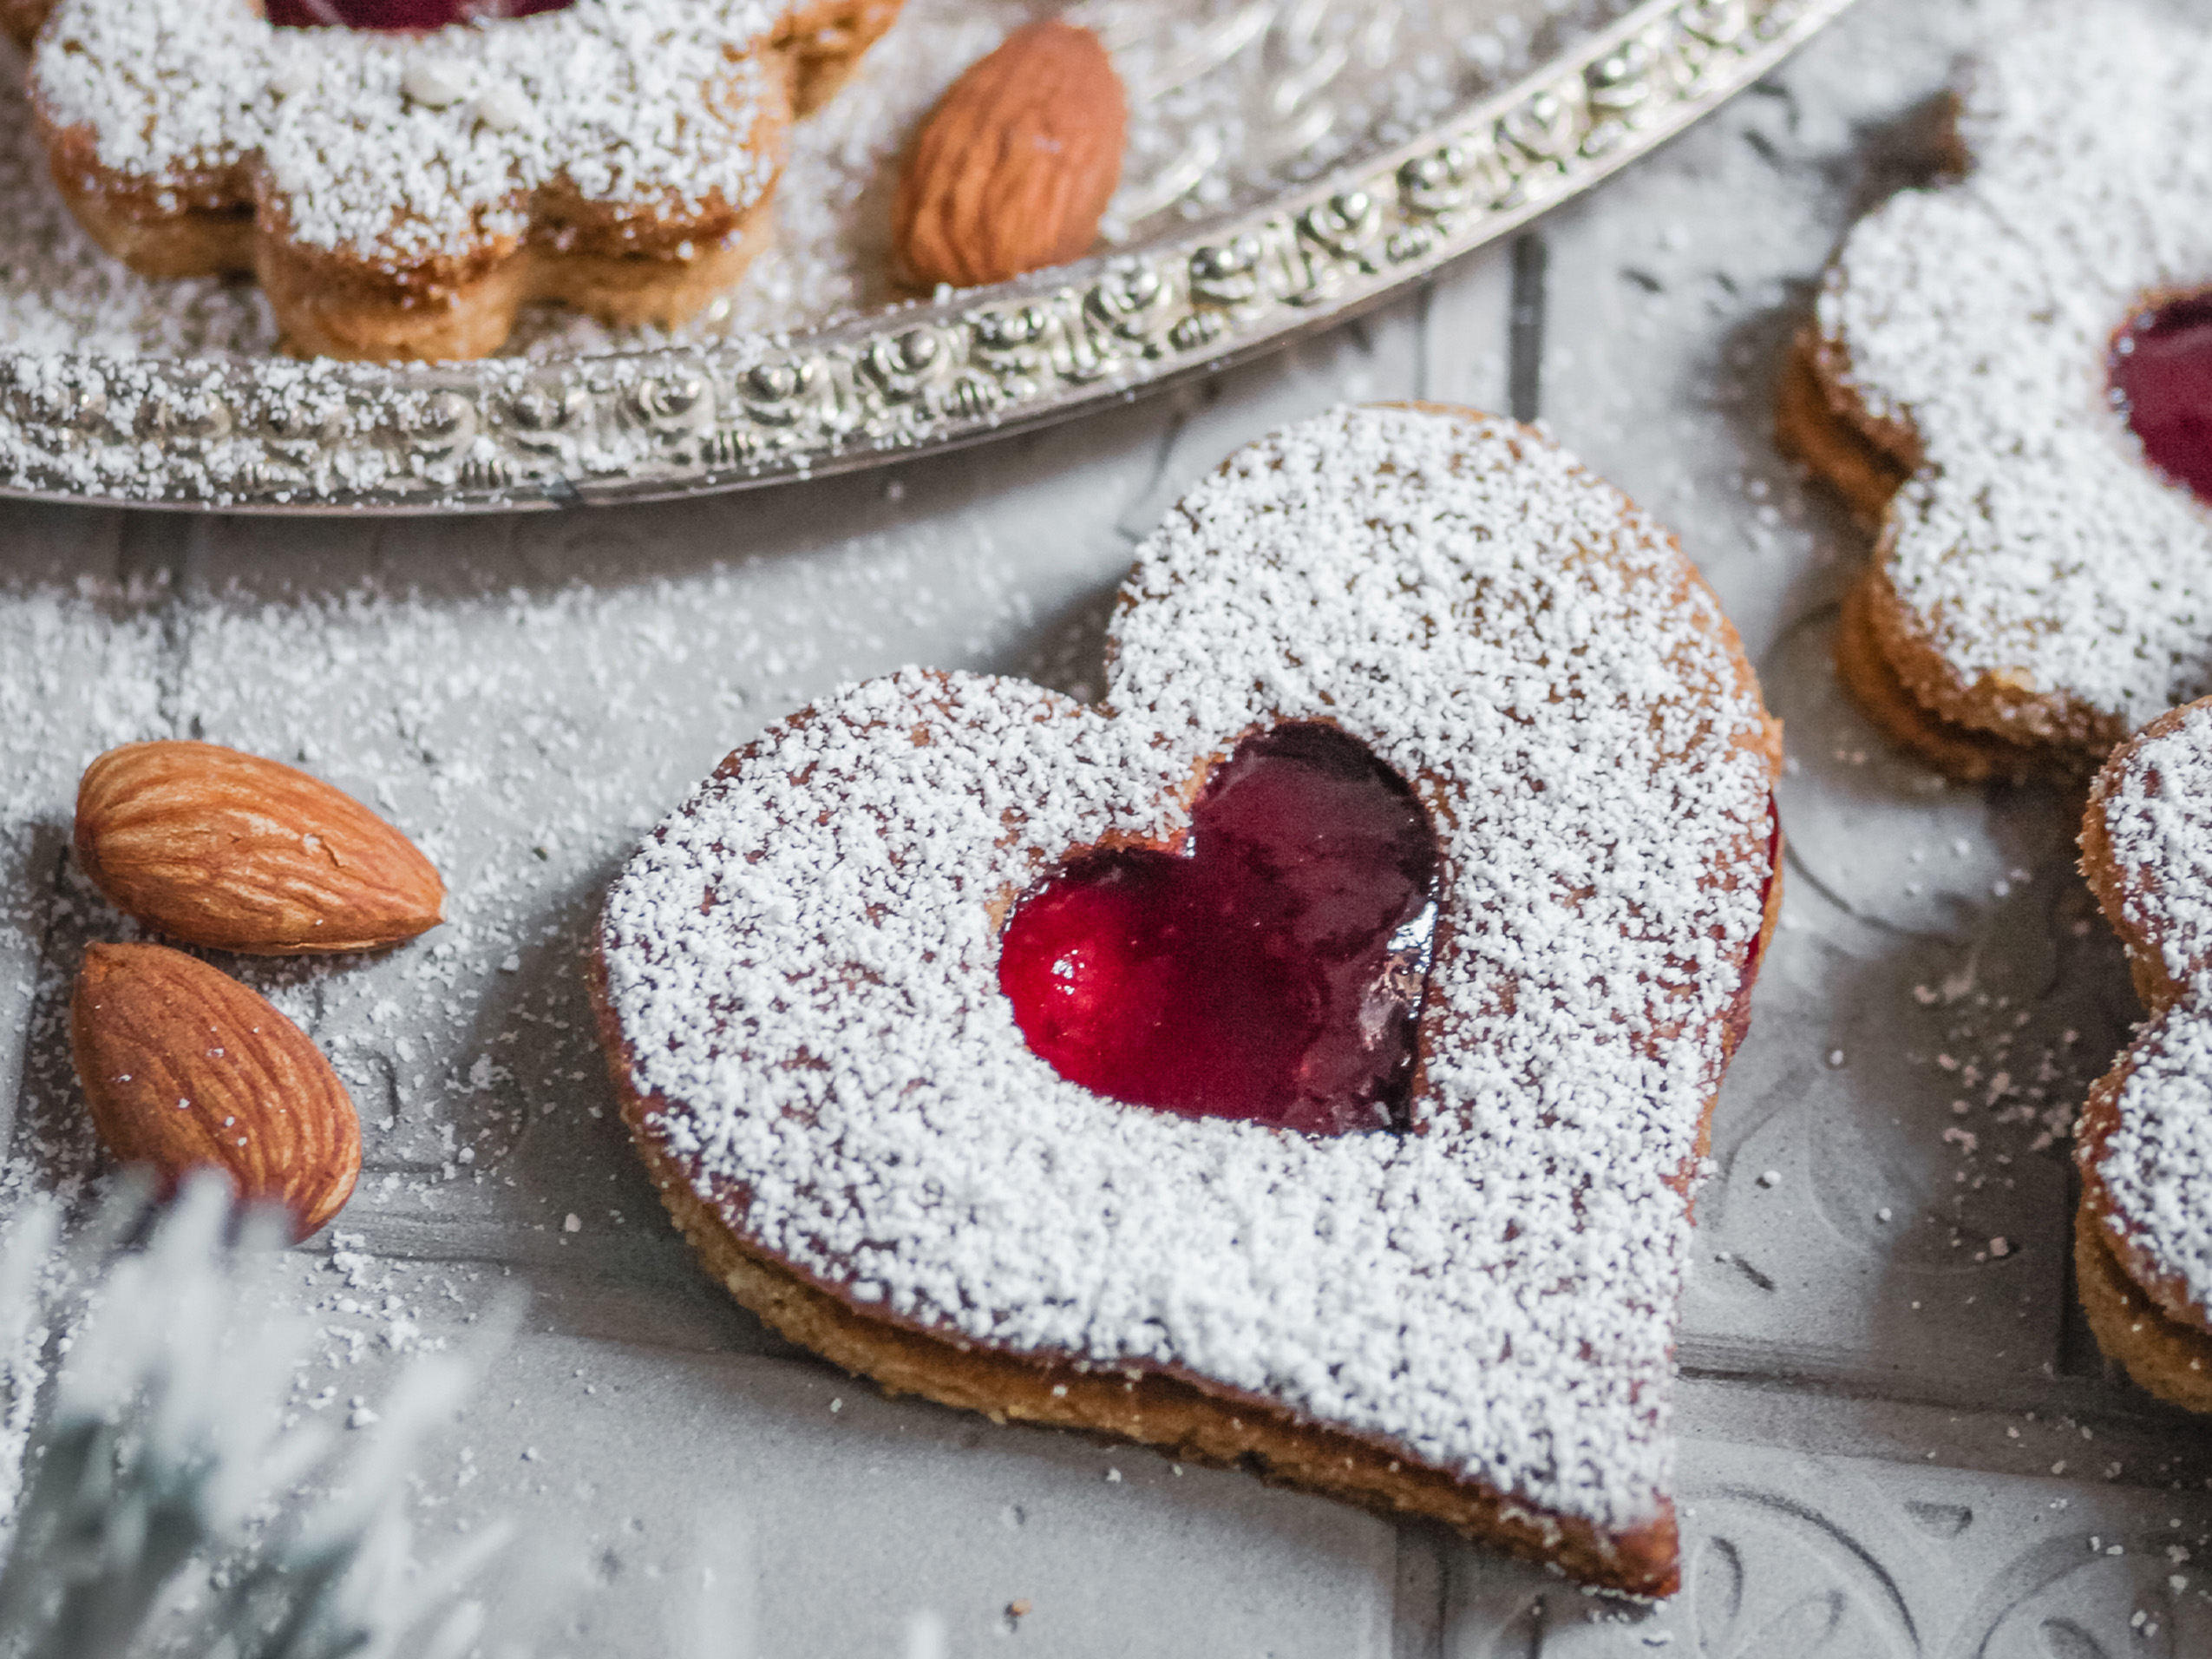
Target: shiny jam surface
[
  {"x": 2161, "y": 380},
  {"x": 1270, "y": 971},
  {"x": 400, "y": 14}
]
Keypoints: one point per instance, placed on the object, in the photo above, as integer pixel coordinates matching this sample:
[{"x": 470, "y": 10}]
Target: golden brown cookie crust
[
  {"x": 2163, "y": 1355},
  {"x": 2142, "y": 1318},
  {"x": 2154, "y": 983},
  {"x": 1872, "y": 683},
  {"x": 1165, "y": 1406},
  {"x": 1990, "y": 729},
  {"x": 2100, "y": 1119},
  {"x": 1819, "y": 420},
  {"x": 2164, "y": 1294},
  {"x": 824, "y": 42},
  {"x": 642, "y": 265},
  {"x": 1197, "y": 1421}
]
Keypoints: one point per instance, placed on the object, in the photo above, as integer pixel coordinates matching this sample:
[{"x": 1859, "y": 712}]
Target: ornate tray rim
[{"x": 503, "y": 435}]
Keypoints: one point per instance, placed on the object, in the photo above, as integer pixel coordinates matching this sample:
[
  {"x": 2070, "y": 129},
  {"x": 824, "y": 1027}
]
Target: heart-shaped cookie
[
  {"x": 2142, "y": 1237},
  {"x": 1472, "y": 1317}
]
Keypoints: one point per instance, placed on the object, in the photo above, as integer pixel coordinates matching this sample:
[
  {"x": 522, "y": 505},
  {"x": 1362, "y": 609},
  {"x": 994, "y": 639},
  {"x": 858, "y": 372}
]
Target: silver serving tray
[{"x": 276, "y": 435}]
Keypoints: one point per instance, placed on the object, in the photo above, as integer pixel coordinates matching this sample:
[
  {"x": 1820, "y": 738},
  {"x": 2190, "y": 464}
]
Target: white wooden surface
[{"x": 1898, "y": 1440}]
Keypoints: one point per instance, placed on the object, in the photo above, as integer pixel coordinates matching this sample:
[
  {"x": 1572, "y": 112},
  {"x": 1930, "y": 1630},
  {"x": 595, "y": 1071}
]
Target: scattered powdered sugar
[
  {"x": 399, "y": 147},
  {"x": 2156, "y": 1164},
  {"x": 61, "y": 293},
  {"x": 524, "y": 736},
  {"x": 2036, "y": 545},
  {"x": 803, "y": 963}
]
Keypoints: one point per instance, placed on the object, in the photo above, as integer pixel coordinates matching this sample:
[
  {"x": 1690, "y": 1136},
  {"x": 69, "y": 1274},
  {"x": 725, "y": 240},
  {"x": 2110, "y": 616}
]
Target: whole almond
[
  {"x": 231, "y": 851},
  {"x": 185, "y": 1068},
  {"x": 1015, "y": 164}
]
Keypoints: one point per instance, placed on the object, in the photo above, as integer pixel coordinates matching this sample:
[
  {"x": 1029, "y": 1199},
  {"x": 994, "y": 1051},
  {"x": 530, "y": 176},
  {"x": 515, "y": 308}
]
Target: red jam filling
[
  {"x": 400, "y": 14},
  {"x": 1272, "y": 970},
  {"x": 2161, "y": 380}
]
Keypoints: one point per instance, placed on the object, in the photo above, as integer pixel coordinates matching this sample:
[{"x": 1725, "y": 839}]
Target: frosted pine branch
[{"x": 157, "y": 1504}]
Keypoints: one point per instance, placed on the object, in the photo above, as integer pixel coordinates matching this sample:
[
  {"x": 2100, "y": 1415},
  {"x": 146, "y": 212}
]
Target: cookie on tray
[
  {"x": 401, "y": 192},
  {"x": 1299, "y": 1059},
  {"x": 1996, "y": 378},
  {"x": 2143, "y": 1238}
]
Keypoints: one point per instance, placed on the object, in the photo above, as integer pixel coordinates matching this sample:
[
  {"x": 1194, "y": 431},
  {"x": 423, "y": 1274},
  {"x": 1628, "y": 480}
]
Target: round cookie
[
  {"x": 2039, "y": 591},
  {"x": 2143, "y": 1245},
  {"x": 1471, "y": 1320},
  {"x": 400, "y": 194}
]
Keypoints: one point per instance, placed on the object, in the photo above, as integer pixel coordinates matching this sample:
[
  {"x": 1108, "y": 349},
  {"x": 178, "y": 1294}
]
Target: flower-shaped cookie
[
  {"x": 801, "y": 981},
  {"x": 2143, "y": 1241},
  {"x": 2040, "y": 591},
  {"x": 401, "y": 194}
]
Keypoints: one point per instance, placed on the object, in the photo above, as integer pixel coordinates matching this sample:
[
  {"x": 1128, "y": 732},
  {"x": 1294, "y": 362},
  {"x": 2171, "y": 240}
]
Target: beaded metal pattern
[{"x": 498, "y": 435}]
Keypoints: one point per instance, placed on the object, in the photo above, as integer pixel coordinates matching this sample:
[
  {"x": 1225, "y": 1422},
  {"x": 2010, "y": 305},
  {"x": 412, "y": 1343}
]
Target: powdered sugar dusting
[
  {"x": 1193, "y": 129},
  {"x": 2156, "y": 1166},
  {"x": 2158, "y": 817},
  {"x": 398, "y": 146},
  {"x": 2036, "y": 545},
  {"x": 803, "y": 961}
]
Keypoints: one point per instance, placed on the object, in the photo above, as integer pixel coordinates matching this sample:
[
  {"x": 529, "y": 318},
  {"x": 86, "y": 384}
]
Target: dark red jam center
[
  {"x": 1272, "y": 970},
  {"x": 400, "y": 14},
  {"x": 2160, "y": 378}
]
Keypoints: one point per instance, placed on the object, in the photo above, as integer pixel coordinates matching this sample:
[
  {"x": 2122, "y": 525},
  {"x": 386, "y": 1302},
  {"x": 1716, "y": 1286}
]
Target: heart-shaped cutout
[
  {"x": 2143, "y": 1236},
  {"x": 407, "y": 16},
  {"x": 2160, "y": 371},
  {"x": 1270, "y": 970},
  {"x": 799, "y": 984}
]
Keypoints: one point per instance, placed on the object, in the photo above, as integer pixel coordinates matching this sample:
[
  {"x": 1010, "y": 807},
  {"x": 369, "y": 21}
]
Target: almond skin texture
[
  {"x": 228, "y": 850},
  {"x": 1015, "y": 164},
  {"x": 185, "y": 1068}
]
